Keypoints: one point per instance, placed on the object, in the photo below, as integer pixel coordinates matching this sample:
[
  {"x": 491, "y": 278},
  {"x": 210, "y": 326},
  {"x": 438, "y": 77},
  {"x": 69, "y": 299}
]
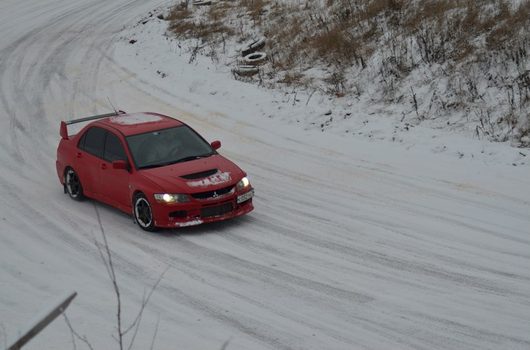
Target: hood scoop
[{"x": 200, "y": 175}]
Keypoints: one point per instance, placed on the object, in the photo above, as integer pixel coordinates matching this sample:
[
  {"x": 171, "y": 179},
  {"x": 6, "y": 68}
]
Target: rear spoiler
[{"x": 63, "y": 131}]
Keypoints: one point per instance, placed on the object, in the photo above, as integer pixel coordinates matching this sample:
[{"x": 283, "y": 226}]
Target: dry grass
[
  {"x": 255, "y": 8},
  {"x": 219, "y": 13},
  {"x": 204, "y": 30},
  {"x": 179, "y": 12},
  {"x": 462, "y": 36},
  {"x": 508, "y": 25},
  {"x": 184, "y": 25},
  {"x": 345, "y": 32},
  {"x": 291, "y": 79}
]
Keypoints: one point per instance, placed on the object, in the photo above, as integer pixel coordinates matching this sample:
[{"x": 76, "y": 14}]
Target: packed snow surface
[
  {"x": 134, "y": 118},
  {"x": 355, "y": 243}
]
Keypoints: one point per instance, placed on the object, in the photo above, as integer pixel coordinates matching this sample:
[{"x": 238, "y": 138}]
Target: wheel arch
[{"x": 137, "y": 192}]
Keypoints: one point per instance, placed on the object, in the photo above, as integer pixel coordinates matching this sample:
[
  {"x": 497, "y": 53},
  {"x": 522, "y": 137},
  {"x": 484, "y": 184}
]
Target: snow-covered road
[{"x": 353, "y": 244}]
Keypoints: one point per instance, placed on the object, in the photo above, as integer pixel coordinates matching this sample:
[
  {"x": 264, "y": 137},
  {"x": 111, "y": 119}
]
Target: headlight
[
  {"x": 171, "y": 198},
  {"x": 242, "y": 184}
]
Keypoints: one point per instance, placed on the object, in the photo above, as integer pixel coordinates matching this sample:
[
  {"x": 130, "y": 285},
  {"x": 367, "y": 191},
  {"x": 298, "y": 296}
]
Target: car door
[
  {"x": 114, "y": 183},
  {"x": 88, "y": 159}
]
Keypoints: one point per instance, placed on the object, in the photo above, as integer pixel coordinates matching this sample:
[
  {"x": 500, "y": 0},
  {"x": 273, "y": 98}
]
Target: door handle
[
  {"x": 103, "y": 166},
  {"x": 79, "y": 154}
]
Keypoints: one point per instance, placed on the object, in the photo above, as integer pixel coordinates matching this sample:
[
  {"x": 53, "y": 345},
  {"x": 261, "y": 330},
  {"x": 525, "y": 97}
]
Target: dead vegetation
[
  {"x": 476, "y": 51},
  {"x": 207, "y": 29}
]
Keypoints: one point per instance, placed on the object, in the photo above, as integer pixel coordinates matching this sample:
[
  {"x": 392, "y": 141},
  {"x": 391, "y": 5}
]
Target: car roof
[{"x": 138, "y": 123}]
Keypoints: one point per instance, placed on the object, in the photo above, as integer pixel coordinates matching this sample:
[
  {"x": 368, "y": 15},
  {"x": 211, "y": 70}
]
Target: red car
[{"x": 153, "y": 166}]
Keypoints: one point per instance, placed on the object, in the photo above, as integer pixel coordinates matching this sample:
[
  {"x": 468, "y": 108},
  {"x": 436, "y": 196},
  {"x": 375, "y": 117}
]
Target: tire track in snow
[{"x": 342, "y": 288}]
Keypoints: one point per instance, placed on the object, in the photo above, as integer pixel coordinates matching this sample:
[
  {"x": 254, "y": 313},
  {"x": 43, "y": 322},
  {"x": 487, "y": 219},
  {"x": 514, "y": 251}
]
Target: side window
[
  {"x": 81, "y": 143},
  {"x": 94, "y": 140},
  {"x": 113, "y": 148}
]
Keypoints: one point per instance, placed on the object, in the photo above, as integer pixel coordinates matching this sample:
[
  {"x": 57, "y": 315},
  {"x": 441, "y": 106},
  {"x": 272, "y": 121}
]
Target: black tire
[
  {"x": 245, "y": 71},
  {"x": 254, "y": 46},
  {"x": 143, "y": 215},
  {"x": 202, "y": 3},
  {"x": 255, "y": 58},
  {"x": 72, "y": 185}
]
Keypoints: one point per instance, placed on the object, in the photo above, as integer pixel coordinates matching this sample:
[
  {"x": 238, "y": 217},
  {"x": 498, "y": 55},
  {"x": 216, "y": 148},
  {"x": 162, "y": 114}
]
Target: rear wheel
[
  {"x": 73, "y": 185},
  {"x": 143, "y": 213}
]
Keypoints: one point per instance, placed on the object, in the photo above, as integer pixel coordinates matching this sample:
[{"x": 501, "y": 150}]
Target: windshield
[{"x": 168, "y": 146}]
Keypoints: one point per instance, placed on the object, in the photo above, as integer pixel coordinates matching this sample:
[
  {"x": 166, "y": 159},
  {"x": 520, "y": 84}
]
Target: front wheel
[{"x": 142, "y": 213}]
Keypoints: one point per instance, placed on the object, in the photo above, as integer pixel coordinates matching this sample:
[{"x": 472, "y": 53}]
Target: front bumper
[{"x": 200, "y": 212}]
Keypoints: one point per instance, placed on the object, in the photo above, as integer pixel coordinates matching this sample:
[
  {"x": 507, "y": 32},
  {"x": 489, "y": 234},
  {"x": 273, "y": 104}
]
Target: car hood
[{"x": 195, "y": 176}]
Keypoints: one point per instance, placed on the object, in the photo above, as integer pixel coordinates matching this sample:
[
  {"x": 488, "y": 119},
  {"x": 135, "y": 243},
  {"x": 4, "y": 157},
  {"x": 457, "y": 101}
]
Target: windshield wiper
[
  {"x": 185, "y": 159},
  {"x": 155, "y": 165}
]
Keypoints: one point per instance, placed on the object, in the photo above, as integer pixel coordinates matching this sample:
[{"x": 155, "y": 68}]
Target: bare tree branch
[
  {"x": 145, "y": 300},
  {"x": 107, "y": 260},
  {"x": 75, "y": 334},
  {"x": 225, "y": 345},
  {"x": 142, "y": 307},
  {"x": 73, "y": 339},
  {"x": 154, "y": 335},
  {"x": 106, "y": 257},
  {"x": 4, "y": 334}
]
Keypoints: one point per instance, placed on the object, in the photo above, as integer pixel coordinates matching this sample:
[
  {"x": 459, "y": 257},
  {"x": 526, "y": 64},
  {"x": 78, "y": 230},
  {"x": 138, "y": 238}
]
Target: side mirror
[
  {"x": 216, "y": 145},
  {"x": 120, "y": 164}
]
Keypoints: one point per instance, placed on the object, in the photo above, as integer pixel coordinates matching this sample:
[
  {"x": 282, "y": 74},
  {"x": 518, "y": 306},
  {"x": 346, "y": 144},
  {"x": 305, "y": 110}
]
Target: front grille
[
  {"x": 213, "y": 194},
  {"x": 217, "y": 210},
  {"x": 200, "y": 175}
]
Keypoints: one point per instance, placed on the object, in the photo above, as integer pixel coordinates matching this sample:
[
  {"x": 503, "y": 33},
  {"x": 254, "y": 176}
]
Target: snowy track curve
[{"x": 353, "y": 245}]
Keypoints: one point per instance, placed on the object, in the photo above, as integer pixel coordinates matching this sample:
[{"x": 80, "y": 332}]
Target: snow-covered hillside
[
  {"x": 461, "y": 66},
  {"x": 355, "y": 243}
]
